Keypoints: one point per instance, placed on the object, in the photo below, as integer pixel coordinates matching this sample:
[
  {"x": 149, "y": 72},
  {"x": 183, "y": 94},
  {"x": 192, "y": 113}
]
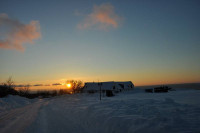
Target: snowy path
[
  {"x": 18, "y": 119},
  {"x": 60, "y": 115}
]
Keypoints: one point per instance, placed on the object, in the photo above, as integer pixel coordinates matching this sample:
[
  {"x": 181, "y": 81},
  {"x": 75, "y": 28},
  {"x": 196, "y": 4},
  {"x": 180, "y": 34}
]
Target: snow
[
  {"x": 11, "y": 102},
  {"x": 127, "y": 112}
]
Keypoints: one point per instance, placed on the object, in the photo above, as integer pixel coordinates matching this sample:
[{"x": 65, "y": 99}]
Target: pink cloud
[
  {"x": 102, "y": 17},
  {"x": 15, "y": 34}
]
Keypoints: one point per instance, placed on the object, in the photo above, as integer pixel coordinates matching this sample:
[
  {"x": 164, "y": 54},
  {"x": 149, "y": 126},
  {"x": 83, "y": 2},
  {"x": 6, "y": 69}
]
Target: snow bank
[{"x": 11, "y": 102}]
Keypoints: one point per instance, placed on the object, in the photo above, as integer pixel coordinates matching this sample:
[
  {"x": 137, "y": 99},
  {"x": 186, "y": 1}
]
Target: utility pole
[{"x": 100, "y": 84}]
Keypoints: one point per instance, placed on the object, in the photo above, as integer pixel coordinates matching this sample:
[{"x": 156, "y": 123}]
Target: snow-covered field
[{"x": 127, "y": 112}]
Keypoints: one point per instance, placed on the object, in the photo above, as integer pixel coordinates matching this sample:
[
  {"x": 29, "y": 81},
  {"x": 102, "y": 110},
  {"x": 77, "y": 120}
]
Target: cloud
[
  {"x": 102, "y": 17},
  {"x": 24, "y": 85},
  {"x": 38, "y": 85},
  {"x": 56, "y": 84},
  {"x": 14, "y": 33}
]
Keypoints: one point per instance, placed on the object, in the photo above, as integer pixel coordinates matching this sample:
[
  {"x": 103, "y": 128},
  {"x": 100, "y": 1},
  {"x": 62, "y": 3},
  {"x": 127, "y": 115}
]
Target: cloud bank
[
  {"x": 102, "y": 17},
  {"x": 13, "y": 33}
]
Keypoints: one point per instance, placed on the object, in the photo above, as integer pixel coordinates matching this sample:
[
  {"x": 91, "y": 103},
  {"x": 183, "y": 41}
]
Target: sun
[{"x": 69, "y": 85}]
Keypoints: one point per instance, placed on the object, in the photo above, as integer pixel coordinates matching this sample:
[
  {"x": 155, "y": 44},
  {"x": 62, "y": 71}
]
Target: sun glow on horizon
[{"x": 69, "y": 85}]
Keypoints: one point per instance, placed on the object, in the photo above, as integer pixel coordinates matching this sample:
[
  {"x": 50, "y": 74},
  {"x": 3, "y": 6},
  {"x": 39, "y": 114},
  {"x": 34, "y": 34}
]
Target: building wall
[{"x": 114, "y": 86}]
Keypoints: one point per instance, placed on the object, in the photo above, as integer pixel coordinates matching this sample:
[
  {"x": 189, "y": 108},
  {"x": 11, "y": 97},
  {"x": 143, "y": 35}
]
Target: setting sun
[{"x": 68, "y": 85}]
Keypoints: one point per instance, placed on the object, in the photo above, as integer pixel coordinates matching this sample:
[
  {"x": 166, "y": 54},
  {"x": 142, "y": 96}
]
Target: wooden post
[
  {"x": 100, "y": 84},
  {"x": 100, "y": 92}
]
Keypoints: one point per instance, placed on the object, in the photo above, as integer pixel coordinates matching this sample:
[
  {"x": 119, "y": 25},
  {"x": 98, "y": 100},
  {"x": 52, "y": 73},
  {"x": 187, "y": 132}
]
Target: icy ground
[{"x": 127, "y": 112}]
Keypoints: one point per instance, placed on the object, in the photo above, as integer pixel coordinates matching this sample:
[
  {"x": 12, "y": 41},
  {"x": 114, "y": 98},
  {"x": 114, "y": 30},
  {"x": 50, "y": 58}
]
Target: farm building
[{"x": 113, "y": 86}]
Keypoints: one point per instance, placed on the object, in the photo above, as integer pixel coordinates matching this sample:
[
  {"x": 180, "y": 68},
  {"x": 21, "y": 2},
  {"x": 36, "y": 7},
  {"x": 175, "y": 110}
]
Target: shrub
[{"x": 7, "y": 88}]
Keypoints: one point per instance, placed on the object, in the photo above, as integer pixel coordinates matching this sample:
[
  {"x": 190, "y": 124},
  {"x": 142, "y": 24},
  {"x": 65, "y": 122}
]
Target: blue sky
[{"x": 154, "y": 42}]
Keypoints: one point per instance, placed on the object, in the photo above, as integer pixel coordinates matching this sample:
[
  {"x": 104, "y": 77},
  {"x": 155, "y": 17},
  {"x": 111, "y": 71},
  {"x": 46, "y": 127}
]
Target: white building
[{"x": 111, "y": 85}]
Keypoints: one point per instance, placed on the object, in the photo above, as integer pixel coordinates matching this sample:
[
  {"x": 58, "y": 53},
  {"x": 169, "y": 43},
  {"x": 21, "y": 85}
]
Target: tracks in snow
[{"x": 18, "y": 119}]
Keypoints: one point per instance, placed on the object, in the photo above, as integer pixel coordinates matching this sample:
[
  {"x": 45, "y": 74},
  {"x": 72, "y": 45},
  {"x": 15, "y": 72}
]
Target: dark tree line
[{"x": 8, "y": 88}]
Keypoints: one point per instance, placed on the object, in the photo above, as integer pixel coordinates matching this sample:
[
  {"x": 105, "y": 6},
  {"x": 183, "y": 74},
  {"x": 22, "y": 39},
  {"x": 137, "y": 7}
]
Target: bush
[
  {"x": 7, "y": 88},
  {"x": 3, "y": 91}
]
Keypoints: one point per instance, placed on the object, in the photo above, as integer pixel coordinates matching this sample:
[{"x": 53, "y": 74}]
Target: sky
[{"x": 143, "y": 41}]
